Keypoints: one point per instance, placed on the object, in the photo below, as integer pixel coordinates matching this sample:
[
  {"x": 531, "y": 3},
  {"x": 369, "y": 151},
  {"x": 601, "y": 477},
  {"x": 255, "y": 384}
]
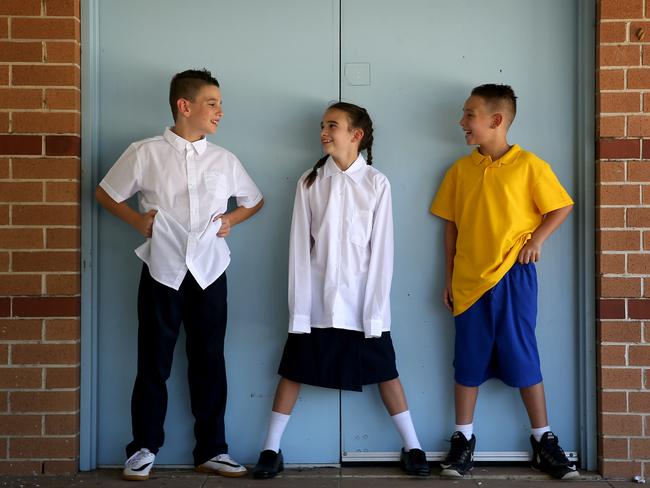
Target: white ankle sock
[
  {"x": 277, "y": 424},
  {"x": 406, "y": 430},
  {"x": 466, "y": 429},
  {"x": 538, "y": 433}
]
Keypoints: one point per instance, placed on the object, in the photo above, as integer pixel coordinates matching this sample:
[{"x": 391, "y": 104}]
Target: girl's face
[{"x": 337, "y": 137}]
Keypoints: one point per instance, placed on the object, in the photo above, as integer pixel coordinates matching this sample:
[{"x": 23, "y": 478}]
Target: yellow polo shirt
[{"x": 496, "y": 205}]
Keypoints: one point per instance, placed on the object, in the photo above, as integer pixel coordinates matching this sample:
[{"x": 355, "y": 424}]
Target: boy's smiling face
[
  {"x": 205, "y": 112},
  {"x": 477, "y": 121}
]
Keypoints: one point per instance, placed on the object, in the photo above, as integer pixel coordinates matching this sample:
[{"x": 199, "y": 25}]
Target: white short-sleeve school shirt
[
  {"x": 189, "y": 184},
  {"x": 341, "y": 251}
]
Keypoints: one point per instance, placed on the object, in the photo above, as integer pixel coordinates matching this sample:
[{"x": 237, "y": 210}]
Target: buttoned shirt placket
[
  {"x": 340, "y": 180},
  {"x": 192, "y": 184}
]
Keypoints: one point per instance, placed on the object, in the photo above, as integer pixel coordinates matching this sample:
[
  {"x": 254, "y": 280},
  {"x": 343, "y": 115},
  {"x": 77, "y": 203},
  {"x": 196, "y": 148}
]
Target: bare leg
[
  {"x": 286, "y": 395},
  {"x": 392, "y": 394},
  {"x": 465, "y": 403},
  {"x": 535, "y": 403}
]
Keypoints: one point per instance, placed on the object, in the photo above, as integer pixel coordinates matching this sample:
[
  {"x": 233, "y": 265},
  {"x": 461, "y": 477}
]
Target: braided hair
[{"x": 359, "y": 119}]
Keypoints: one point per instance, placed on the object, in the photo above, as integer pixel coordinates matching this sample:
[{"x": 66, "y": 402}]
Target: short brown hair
[
  {"x": 187, "y": 84},
  {"x": 498, "y": 97}
]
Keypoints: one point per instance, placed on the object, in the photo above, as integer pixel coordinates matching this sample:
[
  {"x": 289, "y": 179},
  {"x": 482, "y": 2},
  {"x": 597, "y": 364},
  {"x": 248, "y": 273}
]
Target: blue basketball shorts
[{"x": 495, "y": 337}]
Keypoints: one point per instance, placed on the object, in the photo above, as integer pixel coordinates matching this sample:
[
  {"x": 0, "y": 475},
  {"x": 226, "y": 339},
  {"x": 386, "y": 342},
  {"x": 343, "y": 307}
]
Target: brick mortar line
[
  {"x": 40, "y": 111},
  {"x": 55, "y": 272},
  {"x": 638, "y": 184},
  {"x": 42, "y": 15},
  {"x": 40, "y": 134},
  {"x": 620, "y": 114},
  {"x": 42, "y": 180},
  {"x": 604, "y": 275},
  {"x": 51, "y": 64},
  {"x": 619, "y": 252},
  {"x": 69, "y": 342},
  {"x": 49, "y": 366},
  {"x": 41, "y": 390},
  {"x": 632, "y": 366},
  {"x": 23, "y": 414},
  {"x": 21, "y": 40}
]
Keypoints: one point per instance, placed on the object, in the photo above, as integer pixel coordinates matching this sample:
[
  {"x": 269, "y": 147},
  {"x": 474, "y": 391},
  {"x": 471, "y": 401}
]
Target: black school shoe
[
  {"x": 414, "y": 462},
  {"x": 268, "y": 465},
  {"x": 549, "y": 457},
  {"x": 460, "y": 459}
]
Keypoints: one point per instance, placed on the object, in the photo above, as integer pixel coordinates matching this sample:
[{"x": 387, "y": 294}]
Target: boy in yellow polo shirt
[{"x": 500, "y": 204}]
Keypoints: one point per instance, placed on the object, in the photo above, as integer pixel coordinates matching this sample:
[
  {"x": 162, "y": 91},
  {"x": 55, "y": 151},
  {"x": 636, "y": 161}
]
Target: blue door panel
[
  {"x": 424, "y": 57},
  {"x": 277, "y": 68}
]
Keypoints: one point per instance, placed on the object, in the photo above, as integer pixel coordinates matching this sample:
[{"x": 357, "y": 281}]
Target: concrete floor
[{"x": 348, "y": 477}]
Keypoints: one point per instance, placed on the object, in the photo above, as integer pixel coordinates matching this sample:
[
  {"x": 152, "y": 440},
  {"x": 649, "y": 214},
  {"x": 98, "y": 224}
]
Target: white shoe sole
[
  {"x": 135, "y": 477},
  {"x": 227, "y": 474},
  {"x": 451, "y": 473}
]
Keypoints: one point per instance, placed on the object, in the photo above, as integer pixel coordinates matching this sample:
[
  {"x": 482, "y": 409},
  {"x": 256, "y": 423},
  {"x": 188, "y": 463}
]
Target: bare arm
[
  {"x": 532, "y": 251},
  {"x": 237, "y": 216},
  {"x": 142, "y": 222},
  {"x": 451, "y": 234}
]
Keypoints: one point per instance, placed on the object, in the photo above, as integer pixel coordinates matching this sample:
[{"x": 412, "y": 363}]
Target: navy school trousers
[{"x": 161, "y": 310}]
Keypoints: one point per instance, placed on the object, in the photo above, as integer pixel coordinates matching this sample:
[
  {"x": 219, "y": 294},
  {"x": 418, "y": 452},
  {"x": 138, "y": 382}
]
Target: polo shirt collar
[
  {"x": 181, "y": 145},
  {"x": 355, "y": 171},
  {"x": 510, "y": 157}
]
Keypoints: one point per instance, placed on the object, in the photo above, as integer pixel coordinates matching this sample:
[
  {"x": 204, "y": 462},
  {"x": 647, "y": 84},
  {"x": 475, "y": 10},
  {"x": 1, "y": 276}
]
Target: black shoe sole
[
  {"x": 421, "y": 472},
  {"x": 265, "y": 475}
]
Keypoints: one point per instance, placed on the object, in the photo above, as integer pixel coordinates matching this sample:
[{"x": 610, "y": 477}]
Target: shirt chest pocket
[
  {"x": 360, "y": 227},
  {"x": 217, "y": 184}
]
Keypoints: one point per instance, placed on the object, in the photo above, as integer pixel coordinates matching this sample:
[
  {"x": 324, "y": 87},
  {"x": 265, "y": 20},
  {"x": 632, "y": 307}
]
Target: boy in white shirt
[{"x": 183, "y": 184}]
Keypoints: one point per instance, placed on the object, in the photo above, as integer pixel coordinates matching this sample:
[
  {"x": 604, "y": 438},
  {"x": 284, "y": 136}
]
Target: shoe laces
[
  {"x": 225, "y": 458},
  {"x": 460, "y": 448},
  {"x": 550, "y": 449},
  {"x": 138, "y": 457}
]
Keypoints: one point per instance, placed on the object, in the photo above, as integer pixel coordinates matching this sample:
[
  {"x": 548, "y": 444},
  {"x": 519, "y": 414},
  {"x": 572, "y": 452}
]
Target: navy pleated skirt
[{"x": 338, "y": 358}]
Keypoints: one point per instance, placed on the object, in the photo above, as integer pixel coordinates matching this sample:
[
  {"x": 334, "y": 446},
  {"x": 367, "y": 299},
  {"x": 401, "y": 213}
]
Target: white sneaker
[
  {"x": 137, "y": 467},
  {"x": 224, "y": 465}
]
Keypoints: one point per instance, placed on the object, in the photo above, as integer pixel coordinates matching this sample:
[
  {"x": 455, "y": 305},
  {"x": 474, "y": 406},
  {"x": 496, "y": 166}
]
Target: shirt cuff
[
  {"x": 299, "y": 324},
  {"x": 373, "y": 328}
]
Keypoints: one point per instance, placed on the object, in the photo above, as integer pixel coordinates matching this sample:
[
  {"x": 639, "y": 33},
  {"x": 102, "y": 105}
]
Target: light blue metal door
[
  {"x": 278, "y": 67},
  {"x": 412, "y": 64}
]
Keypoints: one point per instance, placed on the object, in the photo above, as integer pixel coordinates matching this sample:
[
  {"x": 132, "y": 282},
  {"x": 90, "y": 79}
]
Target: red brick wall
[
  {"x": 39, "y": 235},
  {"x": 623, "y": 236}
]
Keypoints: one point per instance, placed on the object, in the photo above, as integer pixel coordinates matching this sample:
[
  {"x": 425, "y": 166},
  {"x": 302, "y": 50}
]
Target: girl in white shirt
[{"x": 340, "y": 271}]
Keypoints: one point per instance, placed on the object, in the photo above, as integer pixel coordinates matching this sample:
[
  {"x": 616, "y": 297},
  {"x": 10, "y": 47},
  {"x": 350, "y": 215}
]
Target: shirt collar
[
  {"x": 181, "y": 144},
  {"x": 510, "y": 157},
  {"x": 355, "y": 171}
]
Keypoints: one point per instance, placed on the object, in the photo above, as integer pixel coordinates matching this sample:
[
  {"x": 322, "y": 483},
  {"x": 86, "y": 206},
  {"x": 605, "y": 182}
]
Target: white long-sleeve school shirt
[
  {"x": 188, "y": 183},
  {"x": 341, "y": 251}
]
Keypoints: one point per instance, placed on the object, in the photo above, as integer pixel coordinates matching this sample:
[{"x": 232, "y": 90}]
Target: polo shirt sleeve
[
  {"x": 444, "y": 202},
  {"x": 548, "y": 192},
  {"x": 245, "y": 190},
  {"x": 123, "y": 180}
]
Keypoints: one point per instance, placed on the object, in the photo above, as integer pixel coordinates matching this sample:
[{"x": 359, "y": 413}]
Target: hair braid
[{"x": 311, "y": 177}]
